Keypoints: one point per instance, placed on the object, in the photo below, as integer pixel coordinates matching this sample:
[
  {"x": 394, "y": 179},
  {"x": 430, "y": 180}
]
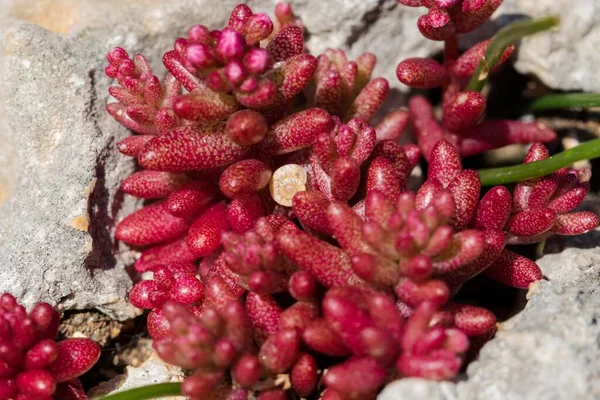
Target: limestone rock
[
  {"x": 418, "y": 389},
  {"x": 59, "y": 205},
  {"x": 567, "y": 57},
  {"x": 550, "y": 350}
]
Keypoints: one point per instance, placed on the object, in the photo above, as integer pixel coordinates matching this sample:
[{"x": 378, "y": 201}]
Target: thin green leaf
[
  {"x": 565, "y": 100},
  {"x": 523, "y": 172},
  {"x": 508, "y": 35},
  {"x": 147, "y": 392}
]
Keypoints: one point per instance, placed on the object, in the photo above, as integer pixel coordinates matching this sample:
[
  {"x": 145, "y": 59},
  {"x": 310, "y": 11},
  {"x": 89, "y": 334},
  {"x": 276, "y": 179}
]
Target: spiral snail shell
[{"x": 286, "y": 182}]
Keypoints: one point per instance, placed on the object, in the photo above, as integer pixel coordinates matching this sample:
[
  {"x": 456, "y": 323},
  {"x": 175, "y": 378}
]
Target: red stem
[
  {"x": 450, "y": 89},
  {"x": 450, "y": 50}
]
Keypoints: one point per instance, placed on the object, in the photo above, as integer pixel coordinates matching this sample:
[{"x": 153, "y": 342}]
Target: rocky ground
[{"x": 60, "y": 173}]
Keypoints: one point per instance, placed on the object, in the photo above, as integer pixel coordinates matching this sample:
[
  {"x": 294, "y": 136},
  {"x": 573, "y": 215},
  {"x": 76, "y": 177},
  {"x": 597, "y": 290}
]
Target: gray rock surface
[
  {"x": 417, "y": 389},
  {"x": 550, "y": 350},
  {"x": 566, "y": 58},
  {"x": 57, "y": 216}
]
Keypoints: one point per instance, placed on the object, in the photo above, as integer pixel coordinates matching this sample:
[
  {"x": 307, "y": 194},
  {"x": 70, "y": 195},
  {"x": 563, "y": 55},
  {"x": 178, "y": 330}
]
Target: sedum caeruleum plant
[{"x": 288, "y": 257}]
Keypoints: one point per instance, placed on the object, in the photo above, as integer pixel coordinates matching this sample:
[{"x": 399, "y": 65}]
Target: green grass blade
[
  {"x": 147, "y": 392},
  {"x": 508, "y": 35},
  {"x": 523, "y": 172},
  {"x": 565, "y": 100}
]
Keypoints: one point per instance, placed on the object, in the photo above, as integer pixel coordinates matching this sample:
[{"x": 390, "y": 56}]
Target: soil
[{"x": 122, "y": 344}]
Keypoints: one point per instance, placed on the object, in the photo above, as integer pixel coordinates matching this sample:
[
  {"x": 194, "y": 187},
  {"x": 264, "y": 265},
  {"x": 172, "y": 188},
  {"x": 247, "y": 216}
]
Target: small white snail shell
[{"x": 286, "y": 182}]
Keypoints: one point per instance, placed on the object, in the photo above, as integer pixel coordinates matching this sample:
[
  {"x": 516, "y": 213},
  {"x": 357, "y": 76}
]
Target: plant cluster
[
  {"x": 33, "y": 366},
  {"x": 287, "y": 253},
  {"x": 462, "y": 105}
]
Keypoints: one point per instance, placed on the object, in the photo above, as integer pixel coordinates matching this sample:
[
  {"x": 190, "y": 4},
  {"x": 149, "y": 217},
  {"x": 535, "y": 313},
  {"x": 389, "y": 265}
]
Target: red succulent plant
[
  {"x": 314, "y": 257},
  {"x": 32, "y": 364}
]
